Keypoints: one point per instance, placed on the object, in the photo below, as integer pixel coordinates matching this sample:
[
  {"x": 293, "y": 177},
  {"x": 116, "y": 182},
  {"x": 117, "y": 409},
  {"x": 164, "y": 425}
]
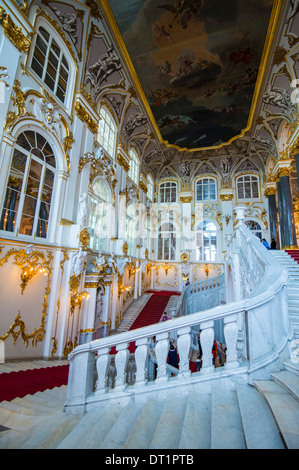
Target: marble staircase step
[
  {"x": 285, "y": 410},
  {"x": 196, "y": 430},
  {"x": 44, "y": 434},
  {"x": 169, "y": 428},
  {"x": 260, "y": 429},
  {"x": 292, "y": 366},
  {"x": 99, "y": 420},
  {"x": 145, "y": 426},
  {"x": 289, "y": 381},
  {"x": 120, "y": 431},
  {"x": 226, "y": 423}
]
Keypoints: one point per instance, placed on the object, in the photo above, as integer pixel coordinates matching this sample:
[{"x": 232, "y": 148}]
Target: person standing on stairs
[
  {"x": 273, "y": 244},
  {"x": 173, "y": 357},
  {"x": 214, "y": 351},
  {"x": 265, "y": 243}
]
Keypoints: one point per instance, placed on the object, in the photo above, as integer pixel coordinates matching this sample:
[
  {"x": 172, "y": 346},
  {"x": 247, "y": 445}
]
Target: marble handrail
[{"x": 262, "y": 305}]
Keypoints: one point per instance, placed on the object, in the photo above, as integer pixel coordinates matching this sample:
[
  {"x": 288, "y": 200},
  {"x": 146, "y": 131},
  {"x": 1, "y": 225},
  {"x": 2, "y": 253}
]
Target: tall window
[
  {"x": 206, "y": 190},
  {"x": 150, "y": 188},
  {"x": 134, "y": 167},
  {"x": 99, "y": 216},
  {"x": 206, "y": 241},
  {"x": 255, "y": 227},
  {"x": 167, "y": 191},
  {"x": 27, "y": 202},
  {"x": 50, "y": 64},
  {"x": 247, "y": 187},
  {"x": 131, "y": 218},
  {"x": 167, "y": 241},
  {"x": 107, "y": 132}
]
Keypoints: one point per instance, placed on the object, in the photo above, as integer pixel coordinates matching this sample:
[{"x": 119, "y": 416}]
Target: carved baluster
[
  {"x": 162, "y": 348},
  {"x": 184, "y": 343},
  {"x": 121, "y": 362},
  {"x": 103, "y": 363},
  {"x": 206, "y": 341},
  {"x": 231, "y": 337},
  {"x": 141, "y": 355}
]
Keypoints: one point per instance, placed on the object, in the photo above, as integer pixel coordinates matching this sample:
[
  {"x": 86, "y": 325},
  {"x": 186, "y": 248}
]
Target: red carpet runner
[
  {"x": 151, "y": 313},
  {"x": 294, "y": 254},
  {"x": 24, "y": 382},
  {"x": 21, "y": 383}
]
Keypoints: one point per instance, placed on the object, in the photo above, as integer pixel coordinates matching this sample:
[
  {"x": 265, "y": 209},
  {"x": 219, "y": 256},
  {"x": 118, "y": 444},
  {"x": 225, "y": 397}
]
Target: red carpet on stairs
[
  {"x": 294, "y": 254},
  {"x": 28, "y": 382},
  {"x": 151, "y": 313}
]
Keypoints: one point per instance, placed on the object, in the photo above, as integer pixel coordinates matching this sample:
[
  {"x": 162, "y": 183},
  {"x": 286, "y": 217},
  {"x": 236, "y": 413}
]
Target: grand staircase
[
  {"x": 218, "y": 419},
  {"x": 289, "y": 260}
]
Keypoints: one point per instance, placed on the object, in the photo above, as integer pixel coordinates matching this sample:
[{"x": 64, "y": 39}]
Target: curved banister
[{"x": 256, "y": 330}]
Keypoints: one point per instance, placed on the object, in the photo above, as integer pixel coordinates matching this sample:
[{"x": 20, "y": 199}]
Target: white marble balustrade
[{"x": 257, "y": 323}]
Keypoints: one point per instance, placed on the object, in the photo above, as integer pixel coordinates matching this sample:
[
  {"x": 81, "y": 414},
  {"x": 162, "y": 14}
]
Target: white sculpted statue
[{"x": 82, "y": 212}]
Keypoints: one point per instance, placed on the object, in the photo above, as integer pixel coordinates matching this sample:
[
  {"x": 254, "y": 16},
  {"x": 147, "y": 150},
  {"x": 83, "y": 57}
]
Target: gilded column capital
[{"x": 270, "y": 191}]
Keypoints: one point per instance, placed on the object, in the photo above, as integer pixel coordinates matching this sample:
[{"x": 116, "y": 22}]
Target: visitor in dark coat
[{"x": 173, "y": 357}]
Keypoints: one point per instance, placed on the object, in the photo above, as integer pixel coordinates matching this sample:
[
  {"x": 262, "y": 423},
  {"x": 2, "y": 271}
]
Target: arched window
[
  {"x": 27, "y": 202},
  {"x": 150, "y": 188},
  {"x": 167, "y": 242},
  {"x": 99, "y": 215},
  {"x": 107, "y": 132},
  {"x": 247, "y": 187},
  {"x": 50, "y": 64},
  {"x": 206, "y": 241},
  {"x": 131, "y": 218},
  {"x": 255, "y": 227},
  {"x": 167, "y": 191},
  {"x": 206, "y": 190},
  {"x": 134, "y": 167}
]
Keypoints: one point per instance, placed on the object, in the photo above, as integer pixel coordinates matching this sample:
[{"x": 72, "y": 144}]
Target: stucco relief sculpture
[{"x": 100, "y": 70}]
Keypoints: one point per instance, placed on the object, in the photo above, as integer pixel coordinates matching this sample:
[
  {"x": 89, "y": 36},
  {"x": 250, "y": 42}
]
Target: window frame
[
  {"x": 255, "y": 231},
  {"x": 172, "y": 237},
  {"x": 93, "y": 226},
  {"x": 150, "y": 188},
  {"x": 133, "y": 172},
  {"x": 251, "y": 176},
  {"x": 27, "y": 175},
  {"x": 73, "y": 69},
  {"x": 209, "y": 232},
  {"x": 209, "y": 199},
  {"x": 173, "y": 184},
  {"x": 109, "y": 144}
]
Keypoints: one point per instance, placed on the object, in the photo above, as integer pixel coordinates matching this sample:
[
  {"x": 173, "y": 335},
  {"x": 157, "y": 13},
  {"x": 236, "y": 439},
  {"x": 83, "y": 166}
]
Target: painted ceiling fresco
[{"x": 197, "y": 62}]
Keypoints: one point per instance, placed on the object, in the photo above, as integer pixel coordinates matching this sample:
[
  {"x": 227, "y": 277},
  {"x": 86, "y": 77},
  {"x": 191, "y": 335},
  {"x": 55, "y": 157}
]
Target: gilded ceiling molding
[
  {"x": 84, "y": 116},
  {"x": 13, "y": 32},
  {"x": 143, "y": 186},
  {"x": 3, "y": 74},
  {"x": 186, "y": 199},
  {"x": 122, "y": 161},
  {"x": 226, "y": 197}
]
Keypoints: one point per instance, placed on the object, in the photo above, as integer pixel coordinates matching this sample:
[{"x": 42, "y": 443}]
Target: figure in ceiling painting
[{"x": 197, "y": 62}]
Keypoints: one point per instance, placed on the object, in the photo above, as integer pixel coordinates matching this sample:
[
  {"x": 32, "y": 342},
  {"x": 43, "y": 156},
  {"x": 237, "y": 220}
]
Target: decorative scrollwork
[{"x": 26, "y": 259}]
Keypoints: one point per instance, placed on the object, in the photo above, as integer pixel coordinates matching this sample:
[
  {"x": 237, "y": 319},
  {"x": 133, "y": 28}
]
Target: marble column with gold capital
[
  {"x": 285, "y": 207},
  {"x": 270, "y": 193}
]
